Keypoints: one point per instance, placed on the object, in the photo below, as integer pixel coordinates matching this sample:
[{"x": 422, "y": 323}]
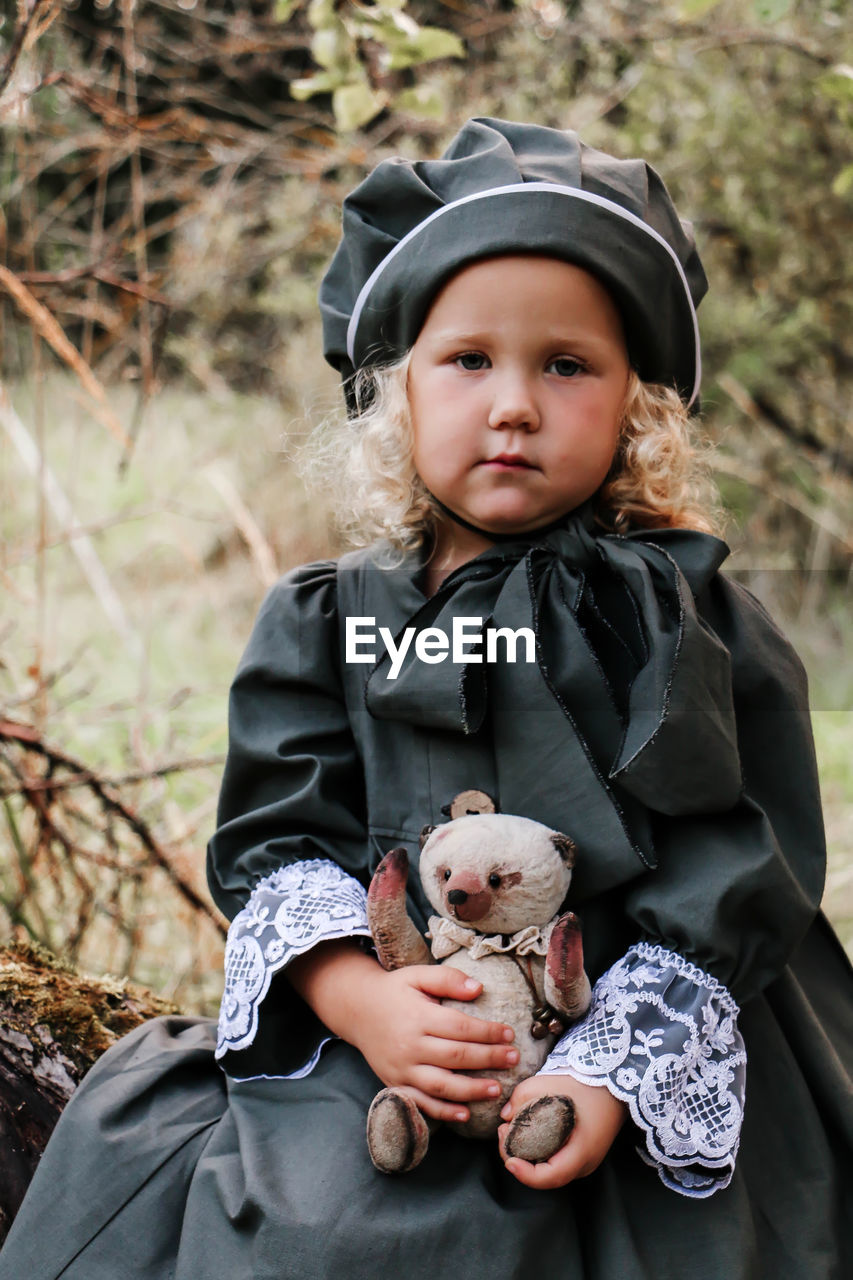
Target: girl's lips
[{"x": 508, "y": 460}]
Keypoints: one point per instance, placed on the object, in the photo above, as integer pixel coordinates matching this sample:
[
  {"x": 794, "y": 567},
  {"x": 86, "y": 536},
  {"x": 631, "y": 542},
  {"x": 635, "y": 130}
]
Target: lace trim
[
  {"x": 288, "y": 913},
  {"x": 661, "y": 1035}
]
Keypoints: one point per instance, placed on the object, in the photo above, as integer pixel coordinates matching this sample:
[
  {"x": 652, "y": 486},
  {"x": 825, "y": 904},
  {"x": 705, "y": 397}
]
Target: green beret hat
[{"x": 504, "y": 188}]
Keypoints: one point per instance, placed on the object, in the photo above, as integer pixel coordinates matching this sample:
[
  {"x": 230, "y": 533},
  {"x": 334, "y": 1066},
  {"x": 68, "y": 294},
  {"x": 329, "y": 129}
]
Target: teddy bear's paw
[
  {"x": 541, "y": 1128},
  {"x": 397, "y": 1133}
]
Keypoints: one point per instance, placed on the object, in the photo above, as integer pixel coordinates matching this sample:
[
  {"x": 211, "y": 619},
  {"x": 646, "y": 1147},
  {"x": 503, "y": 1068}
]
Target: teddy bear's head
[{"x": 495, "y": 872}]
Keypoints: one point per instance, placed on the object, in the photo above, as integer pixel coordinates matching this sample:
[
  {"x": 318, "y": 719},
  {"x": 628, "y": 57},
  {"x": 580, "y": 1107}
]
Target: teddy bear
[{"x": 497, "y": 883}]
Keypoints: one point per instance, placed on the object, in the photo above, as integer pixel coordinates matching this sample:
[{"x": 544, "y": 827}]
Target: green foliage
[
  {"x": 837, "y": 86},
  {"x": 361, "y": 84},
  {"x": 838, "y": 83},
  {"x": 843, "y": 184},
  {"x": 772, "y": 10}
]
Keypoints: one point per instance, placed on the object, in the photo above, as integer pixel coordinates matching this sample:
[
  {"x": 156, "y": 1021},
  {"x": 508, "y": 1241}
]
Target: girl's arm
[
  {"x": 396, "y": 1021},
  {"x": 289, "y": 859}
]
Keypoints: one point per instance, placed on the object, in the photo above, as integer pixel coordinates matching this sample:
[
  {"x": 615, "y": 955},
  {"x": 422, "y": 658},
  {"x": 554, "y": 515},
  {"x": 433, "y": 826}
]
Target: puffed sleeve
[
  {"x": 735, "y": 892},
  {"x": 732, "y": 897},
  {"x": 288, "y": 861}
]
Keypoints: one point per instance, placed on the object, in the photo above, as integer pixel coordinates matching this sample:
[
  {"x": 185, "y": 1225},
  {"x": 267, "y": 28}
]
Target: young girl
[{"x": 516, "y": 327}]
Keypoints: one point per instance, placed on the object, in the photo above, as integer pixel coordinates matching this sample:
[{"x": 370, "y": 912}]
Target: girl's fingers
[
  {"x": 461, "y": 1055},
  {"x": 438, "y": 1108},
  {"x": 443, "y": 982},
  {"x": 450, "y": 1086},
  {"x": 556, "y": 1172},
  {"x": 452, "y": 1024}
]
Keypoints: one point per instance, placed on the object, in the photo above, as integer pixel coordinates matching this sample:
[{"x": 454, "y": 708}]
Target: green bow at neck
[{"x": 628, "y": 705}]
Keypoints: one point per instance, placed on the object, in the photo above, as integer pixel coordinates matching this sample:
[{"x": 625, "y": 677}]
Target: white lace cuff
[
  {"x": 288, "y": 913},
  {"x": 662, "y": 1035}
]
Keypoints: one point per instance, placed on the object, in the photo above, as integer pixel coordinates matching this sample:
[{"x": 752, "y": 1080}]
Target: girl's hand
[
  {"x": 598, "y": 1118},
  {"x": 406, "y": 1036},
  {"x": 409, "y": 1039}
]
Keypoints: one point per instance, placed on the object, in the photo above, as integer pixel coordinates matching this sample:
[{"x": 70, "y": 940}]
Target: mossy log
[{"x": 54, "y": 1024}]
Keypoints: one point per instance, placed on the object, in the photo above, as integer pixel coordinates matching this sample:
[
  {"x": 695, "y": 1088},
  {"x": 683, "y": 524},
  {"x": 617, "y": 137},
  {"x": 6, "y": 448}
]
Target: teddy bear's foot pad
[
  {"x": 397, "y": 1133},
  {"x": 540, "y": 1128}
]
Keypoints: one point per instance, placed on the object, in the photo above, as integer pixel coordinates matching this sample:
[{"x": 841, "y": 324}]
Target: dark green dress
[{"x": 664, "y": 726}]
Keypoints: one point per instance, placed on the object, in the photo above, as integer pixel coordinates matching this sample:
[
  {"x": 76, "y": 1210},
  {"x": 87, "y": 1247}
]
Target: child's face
[{"x": 516, "y": 386}]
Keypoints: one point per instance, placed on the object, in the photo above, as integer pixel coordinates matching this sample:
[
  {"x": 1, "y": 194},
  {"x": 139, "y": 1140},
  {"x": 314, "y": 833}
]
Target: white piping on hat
[{"x": 577, "y": 194}]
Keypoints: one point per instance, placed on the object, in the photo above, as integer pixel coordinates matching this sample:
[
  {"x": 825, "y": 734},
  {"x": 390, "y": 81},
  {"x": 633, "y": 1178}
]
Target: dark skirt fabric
[{"x": 163, "y": 1168}]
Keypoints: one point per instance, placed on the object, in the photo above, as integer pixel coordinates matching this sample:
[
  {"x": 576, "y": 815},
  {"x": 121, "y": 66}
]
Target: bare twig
[
  {"x": 84, "y": 779},
  {"x": 137, "y": 192},
  {"x": 45, "y": 324},
  {"x": 803, "y": 440},
  {"x": 260, "y": 550},
  {"x": 30, "y": 26},
  {"x": 757, "y": 479},
  {"x": 741, "y": 37},
  {"x": 81, "y": 543}
]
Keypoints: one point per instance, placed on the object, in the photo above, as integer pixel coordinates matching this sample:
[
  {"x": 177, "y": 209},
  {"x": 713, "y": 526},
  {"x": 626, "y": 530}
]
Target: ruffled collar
[{"x": 448, "y": 937}]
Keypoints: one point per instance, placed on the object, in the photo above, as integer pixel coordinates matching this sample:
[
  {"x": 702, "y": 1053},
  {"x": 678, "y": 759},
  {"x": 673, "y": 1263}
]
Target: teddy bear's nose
[{"x": 467, "y": 897}]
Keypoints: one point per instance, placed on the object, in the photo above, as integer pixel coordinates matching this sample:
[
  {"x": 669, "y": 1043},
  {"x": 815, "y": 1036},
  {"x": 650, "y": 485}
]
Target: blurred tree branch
[
  {"x": 40, "y": 793},
  {"x": 36, "y": 22}
]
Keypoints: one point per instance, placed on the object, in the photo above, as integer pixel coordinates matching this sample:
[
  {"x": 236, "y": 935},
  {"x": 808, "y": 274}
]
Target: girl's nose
[{"x": 514, "y": 405}]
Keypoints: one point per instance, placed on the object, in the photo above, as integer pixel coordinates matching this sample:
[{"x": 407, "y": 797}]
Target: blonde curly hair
[{"x": 659, "y": 477}]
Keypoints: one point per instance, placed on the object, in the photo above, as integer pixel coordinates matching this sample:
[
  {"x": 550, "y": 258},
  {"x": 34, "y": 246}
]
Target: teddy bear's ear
[
  {"x": 566, "y": 848},
  {"x": 471, "y": 802},
  {"x": 426, "y": 832}
]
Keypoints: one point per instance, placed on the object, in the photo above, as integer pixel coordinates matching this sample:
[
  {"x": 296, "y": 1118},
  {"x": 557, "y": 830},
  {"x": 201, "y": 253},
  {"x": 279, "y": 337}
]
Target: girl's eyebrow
[
  {"x": 460, "y": 336},
  {"x": 559, "y": 340},
  {"x": 567, "y": 334}
]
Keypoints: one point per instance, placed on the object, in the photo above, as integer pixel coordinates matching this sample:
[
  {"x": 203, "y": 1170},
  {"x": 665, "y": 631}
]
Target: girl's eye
[
  {"x": 471, "y": 361},
  {"x": 566, "y": 367}
]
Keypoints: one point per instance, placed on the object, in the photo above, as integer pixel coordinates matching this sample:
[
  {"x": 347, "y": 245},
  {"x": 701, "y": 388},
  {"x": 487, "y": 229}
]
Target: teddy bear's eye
[
  {"x": 495, "y": 880},
  {"x": 446, "y": 873}
]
